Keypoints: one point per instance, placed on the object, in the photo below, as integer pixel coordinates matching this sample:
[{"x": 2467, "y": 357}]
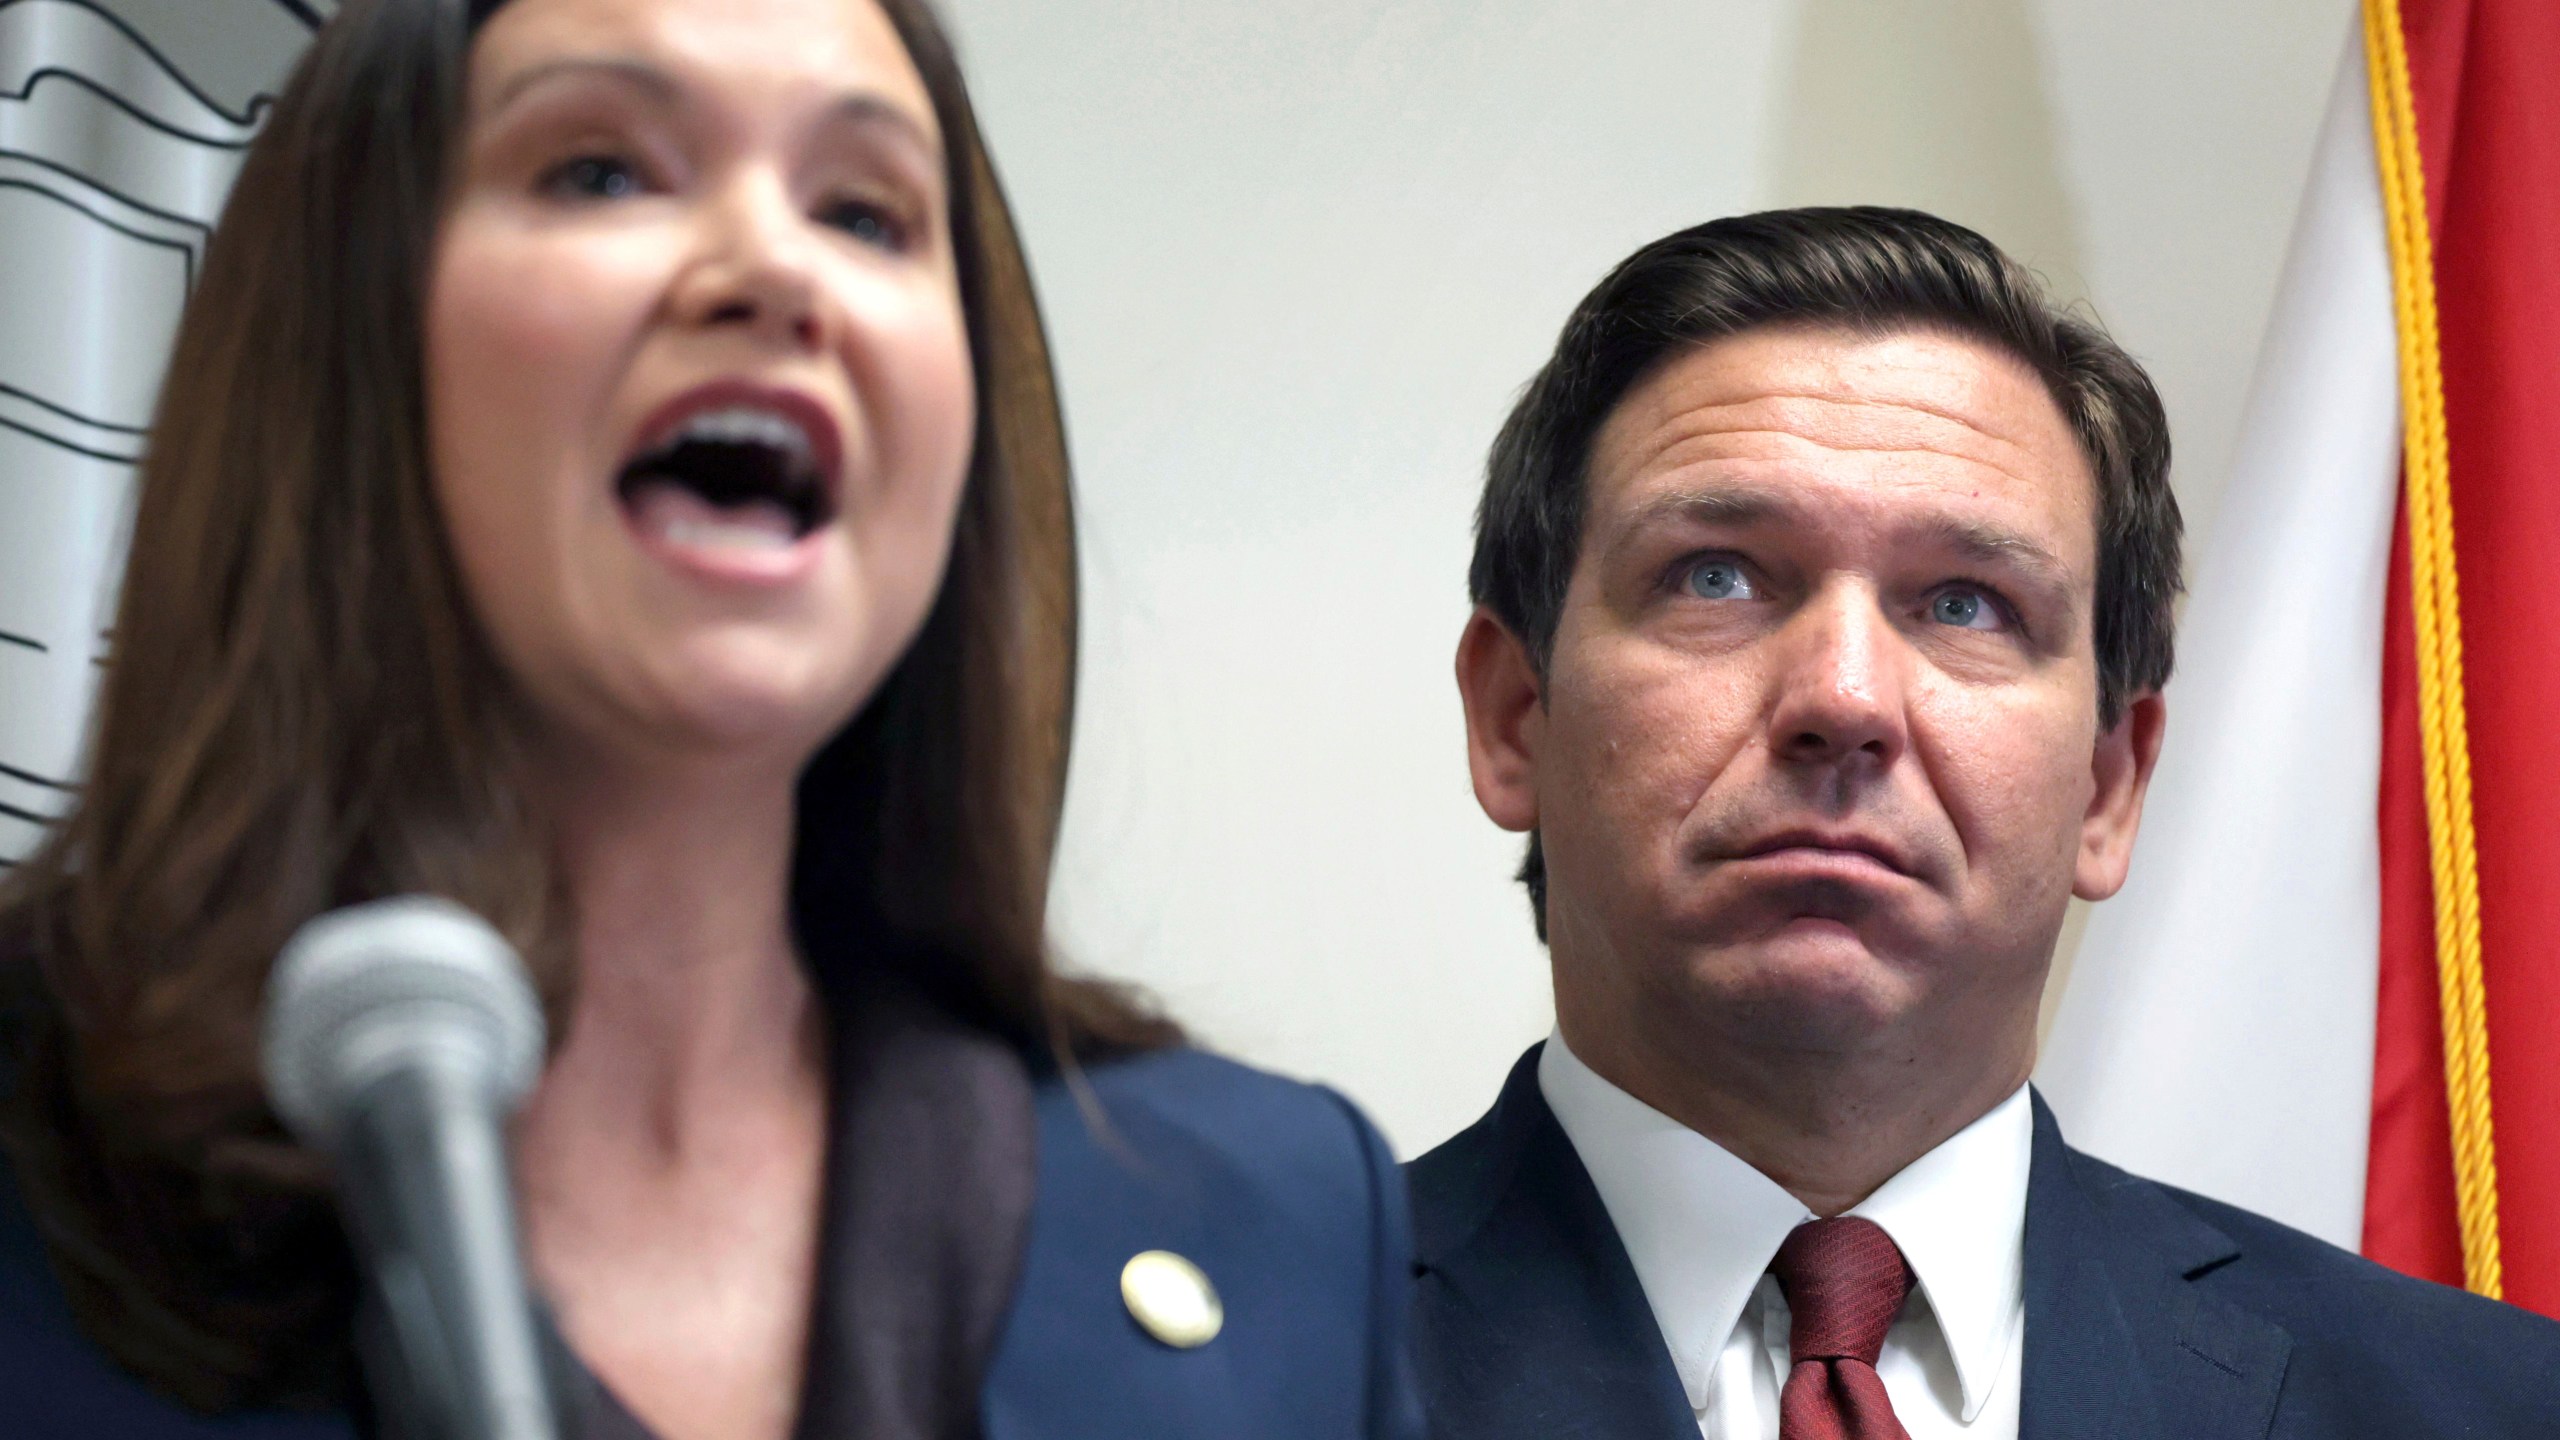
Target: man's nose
[
  {"x": 757, "y": 268},
  {"x": 1842, "y": 684}
]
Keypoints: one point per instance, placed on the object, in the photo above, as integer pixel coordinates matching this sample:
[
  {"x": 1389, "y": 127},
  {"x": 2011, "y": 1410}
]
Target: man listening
[{"x": 1824, "y": 589}]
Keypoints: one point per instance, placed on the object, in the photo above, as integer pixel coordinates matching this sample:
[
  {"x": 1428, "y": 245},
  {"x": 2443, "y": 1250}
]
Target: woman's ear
[
  {"x": 1506, "y": 715},
  {"x": 2121, "y": 766}
]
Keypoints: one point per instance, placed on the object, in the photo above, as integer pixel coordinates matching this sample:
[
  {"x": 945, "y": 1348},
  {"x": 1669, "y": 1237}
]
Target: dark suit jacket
[
  {"x": 2150, "y": 1312},
  {"x": 1281, "y": 1193}
]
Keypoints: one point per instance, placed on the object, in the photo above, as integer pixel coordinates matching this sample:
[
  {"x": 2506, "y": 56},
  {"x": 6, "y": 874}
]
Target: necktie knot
[{"x": 1845, "y": 1281}]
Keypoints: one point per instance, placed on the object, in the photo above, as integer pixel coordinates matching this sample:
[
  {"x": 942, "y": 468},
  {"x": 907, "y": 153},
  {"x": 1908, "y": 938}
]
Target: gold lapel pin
[{"x": 1169, "y": 1296}]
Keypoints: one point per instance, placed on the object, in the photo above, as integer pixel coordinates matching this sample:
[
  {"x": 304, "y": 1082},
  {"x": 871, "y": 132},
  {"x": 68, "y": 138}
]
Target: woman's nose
[{"x": 757, "y": 269}]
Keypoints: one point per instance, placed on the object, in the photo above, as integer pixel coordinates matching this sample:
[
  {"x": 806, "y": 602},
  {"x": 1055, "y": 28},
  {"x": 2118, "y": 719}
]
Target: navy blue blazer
[
  {"x": 1282, "y": 1193},
  {"x": 2150, "y": 1312}
]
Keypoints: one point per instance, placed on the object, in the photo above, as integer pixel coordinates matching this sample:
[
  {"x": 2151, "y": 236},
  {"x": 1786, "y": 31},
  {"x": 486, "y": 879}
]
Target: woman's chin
[
  {"x": 748, "y": 725},
  {"x": 719, "y": 709}
]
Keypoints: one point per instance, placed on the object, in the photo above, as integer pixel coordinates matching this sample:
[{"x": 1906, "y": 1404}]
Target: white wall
[{"x": 1298, "y": 257}]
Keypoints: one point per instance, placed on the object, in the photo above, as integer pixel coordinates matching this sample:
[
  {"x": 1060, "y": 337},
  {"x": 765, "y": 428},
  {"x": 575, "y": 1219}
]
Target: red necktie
[{"x": 1844, "y": 1280}]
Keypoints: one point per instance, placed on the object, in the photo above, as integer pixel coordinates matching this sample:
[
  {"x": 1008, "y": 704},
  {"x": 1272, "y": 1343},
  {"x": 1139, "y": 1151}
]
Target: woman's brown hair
[{"x": 300, "y": 714}]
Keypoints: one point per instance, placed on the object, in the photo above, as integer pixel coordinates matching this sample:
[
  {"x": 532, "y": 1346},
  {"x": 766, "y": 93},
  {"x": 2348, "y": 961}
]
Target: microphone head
[{"x": 374, "y": 989}]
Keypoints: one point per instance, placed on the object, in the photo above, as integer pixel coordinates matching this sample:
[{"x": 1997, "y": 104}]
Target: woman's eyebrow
[
  {"x": 640, "y": 74},
  {"x": 861, "y": 109},
  {"x": 864, "y": 109}
]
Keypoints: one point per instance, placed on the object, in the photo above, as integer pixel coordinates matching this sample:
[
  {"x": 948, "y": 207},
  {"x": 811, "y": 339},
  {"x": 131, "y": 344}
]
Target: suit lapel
[
  {"x": 2120, "y": 1340},
  {"x": 1530, "y": 1323}
]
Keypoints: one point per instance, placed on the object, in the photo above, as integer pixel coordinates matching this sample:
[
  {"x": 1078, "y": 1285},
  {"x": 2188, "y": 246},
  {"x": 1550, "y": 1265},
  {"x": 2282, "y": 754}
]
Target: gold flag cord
[{"x": 2444, "y": 727}]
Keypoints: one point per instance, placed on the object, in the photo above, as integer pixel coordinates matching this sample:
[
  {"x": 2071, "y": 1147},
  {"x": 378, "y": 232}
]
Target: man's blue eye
[
  {"x": 1719, "y": 580},
  {"x": 595, "y": 177},
  {"x": 1965, "y": 609}
]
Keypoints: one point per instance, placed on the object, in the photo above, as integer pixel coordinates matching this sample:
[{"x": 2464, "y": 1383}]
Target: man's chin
[{"x": 1810, "y": 981}]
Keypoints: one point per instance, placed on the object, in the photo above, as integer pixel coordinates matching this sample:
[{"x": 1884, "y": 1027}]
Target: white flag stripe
[{"x": 2217, "y": 1027}]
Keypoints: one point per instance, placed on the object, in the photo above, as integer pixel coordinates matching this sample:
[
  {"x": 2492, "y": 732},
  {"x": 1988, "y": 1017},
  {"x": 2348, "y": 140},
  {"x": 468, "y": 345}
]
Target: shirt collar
[
  {"x": 1959, "y": 1213},
  {"x": 1700, "y": 1225}
]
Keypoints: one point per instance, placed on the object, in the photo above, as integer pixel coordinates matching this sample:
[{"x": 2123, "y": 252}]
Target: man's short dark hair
[{"x": 1870, "y": 271}]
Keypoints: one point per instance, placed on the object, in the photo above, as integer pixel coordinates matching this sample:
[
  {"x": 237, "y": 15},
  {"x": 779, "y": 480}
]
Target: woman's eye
[
  {"x": 869, "y": 223},
  {"x": 1720, "y": 580},
  {"x": 594, "y": 177},
  {"x": 1966, "y": 609}
]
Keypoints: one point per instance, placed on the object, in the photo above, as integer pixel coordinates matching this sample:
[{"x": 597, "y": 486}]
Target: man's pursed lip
[{"x": 1847, "y": 853}]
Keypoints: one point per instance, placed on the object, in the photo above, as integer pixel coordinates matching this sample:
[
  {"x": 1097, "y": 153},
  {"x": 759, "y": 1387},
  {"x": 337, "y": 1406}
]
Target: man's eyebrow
[
  {"x": 1724, "y": 505},
  {"x": 1976, "y": 541},
  {"x": 1994, "y": 545},
  {"x": 1735, "y": 505}
]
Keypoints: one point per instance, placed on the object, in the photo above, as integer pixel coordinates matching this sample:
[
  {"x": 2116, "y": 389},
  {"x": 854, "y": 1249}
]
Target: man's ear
[
  {"x": 2122, "y": 768},
  {"x": 1505, "y": 720}
]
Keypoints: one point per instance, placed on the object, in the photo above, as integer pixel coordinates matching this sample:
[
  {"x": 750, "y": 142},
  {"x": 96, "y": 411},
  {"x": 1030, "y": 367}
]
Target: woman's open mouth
[{"x": 731, "y": 478}]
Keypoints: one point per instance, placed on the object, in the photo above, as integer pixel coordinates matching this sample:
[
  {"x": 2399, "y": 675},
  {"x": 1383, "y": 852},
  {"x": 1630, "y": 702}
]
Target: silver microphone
[{"x": 399, "y": 1036}]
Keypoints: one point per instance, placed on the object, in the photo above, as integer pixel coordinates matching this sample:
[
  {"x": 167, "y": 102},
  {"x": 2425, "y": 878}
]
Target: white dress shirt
[{"x": 1701, "y": 1226}]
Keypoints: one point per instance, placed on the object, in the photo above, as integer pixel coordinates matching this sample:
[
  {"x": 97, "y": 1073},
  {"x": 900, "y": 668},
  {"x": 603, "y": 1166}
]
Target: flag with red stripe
[{"x": 2331, "y": 991}]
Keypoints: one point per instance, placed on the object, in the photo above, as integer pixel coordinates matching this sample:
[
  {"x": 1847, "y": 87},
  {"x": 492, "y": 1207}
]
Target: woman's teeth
[
  {"x": 676, "y": 516},
  {"x": 747, "y": 425},
  {"x": 726, "y": 535}
]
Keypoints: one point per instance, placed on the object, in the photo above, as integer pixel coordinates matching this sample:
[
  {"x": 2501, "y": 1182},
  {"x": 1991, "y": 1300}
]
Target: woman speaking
[{"x": 610, "y": 475}]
